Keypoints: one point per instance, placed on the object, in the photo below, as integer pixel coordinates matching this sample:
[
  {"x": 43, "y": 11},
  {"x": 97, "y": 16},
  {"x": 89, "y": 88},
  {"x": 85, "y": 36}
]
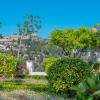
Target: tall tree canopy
[
  {"x": 72, "y": 39},
  {"x": 63, "y": 38},
  {"x": 84, "y": 37}
]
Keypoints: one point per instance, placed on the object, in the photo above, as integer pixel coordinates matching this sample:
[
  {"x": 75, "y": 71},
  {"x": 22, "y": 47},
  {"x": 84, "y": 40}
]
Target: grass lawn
[{"x": 26, "y": 89}]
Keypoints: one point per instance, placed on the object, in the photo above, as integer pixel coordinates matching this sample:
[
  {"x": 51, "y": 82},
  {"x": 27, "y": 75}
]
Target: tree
[
  {"x": 96, "y": 39},
  {"x": 32, "y": 24},
  {"x": 72, "y": 39},
  {"x": 20, "y": 33},
  {"x": 84, "y": 37},
  {"x": 30, "y": 27},
  {"x": 63, "y": 38}
]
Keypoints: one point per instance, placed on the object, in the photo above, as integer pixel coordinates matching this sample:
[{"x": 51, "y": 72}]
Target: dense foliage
[
  {"x": 96, "y": 40},
  {"x": 67, "y": 72},
  {"x": 48, "y": 62},
  {"x": 8, "y": 65},
  {"x": 84, "y": 36},
  {"x": 71, "y": 39},
  {"x": 96, "y": 68},
  {"x": 89, "y": 89},
  {"x": 63, "y": 38}
]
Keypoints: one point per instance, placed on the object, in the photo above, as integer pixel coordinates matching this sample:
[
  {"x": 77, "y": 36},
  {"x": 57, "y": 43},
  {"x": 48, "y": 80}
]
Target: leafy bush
[
  {"x": 8, "y": 65},
  {"x": 47, "y": 62},
  {"x": 89, "y": 89},
  {"x": 96, "y": 67},
  {"x": 67, "y": 72}
]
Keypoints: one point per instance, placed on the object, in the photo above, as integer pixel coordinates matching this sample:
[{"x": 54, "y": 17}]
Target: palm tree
[
  {"x": 26, "y": 24},
  {"x": 20, "y": 33}
]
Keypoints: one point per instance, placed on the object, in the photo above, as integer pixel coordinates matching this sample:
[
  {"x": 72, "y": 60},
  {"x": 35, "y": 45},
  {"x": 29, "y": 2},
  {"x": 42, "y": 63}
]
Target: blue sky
[{"x": 54, "y": 14}]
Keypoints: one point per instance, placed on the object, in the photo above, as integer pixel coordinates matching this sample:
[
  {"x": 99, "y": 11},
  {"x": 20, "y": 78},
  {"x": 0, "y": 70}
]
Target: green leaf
[
  {"x": 91, "y": 83},
  {"x": 90, "y": 98},
  {"x": 78, "y": 89},
  {"x": 97, "y": 93}
]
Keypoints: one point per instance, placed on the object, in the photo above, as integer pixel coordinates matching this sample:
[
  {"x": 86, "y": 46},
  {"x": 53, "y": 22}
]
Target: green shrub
[
  {"x": 65, "y": 73},
  {"x": 96, "y": 65},
  {"x": 89, "y": 89},
  {"x": 96, "y": 68},
  {"x": 8, "y": 65},
  {"x": 47, "y": 62}
]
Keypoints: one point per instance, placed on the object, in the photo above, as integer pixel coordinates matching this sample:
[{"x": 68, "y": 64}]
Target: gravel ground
[{"x": 28, "y": 95}]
